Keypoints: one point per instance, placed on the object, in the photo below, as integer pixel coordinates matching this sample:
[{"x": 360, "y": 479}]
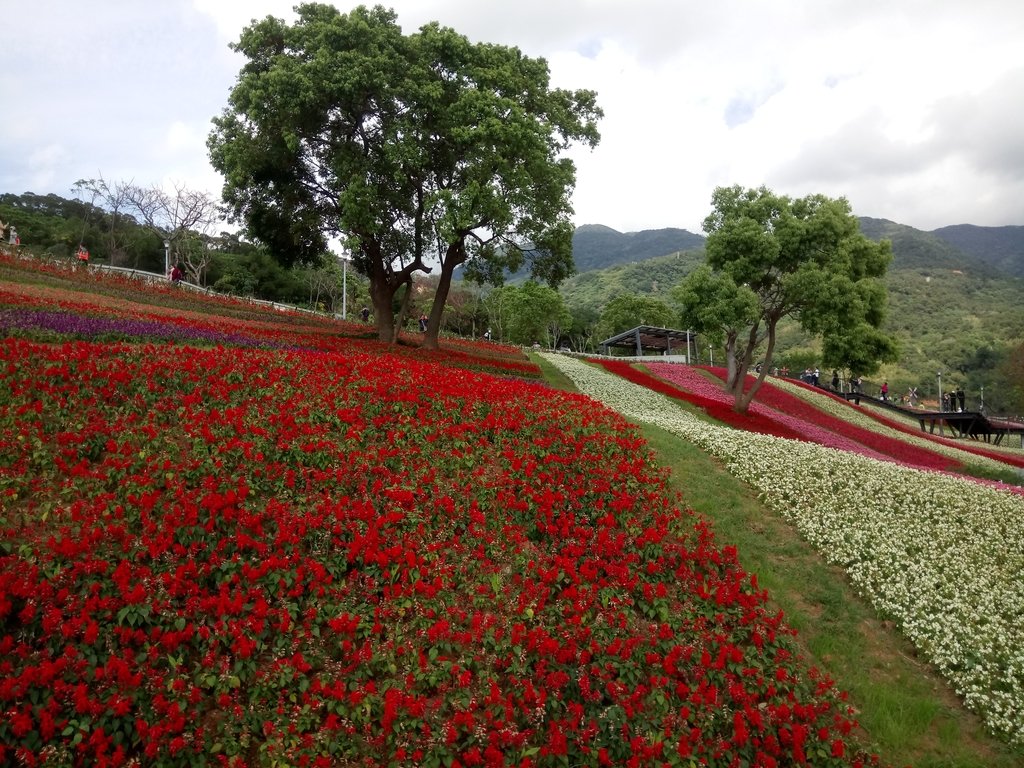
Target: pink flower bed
[
  {"x": 809, "y": 422},
  {"x": 714, "y": 407}
]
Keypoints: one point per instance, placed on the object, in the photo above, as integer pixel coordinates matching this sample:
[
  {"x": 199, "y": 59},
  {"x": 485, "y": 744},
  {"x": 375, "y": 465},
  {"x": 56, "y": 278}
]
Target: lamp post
[
  {"x": 939, "y": 374},
  {"x": 167, "y": 258},
  {"x": 982, "y": 398},
  {"x": 711, "y": 355},
  {"x": 344, "y": 287}
]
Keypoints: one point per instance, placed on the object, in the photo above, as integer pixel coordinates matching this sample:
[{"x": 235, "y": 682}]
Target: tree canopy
[
  {"x": 770, "y": 257},
  {"x": 414, "y": 150},
  {"x": 527, "y": 314},
  {"x": 628, "y": 310}
]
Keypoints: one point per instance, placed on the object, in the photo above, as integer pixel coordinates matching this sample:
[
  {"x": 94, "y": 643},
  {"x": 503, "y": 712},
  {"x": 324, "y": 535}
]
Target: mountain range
[
  {"x": 991, "y": 250},
  {"x": 956, "y": 294}
]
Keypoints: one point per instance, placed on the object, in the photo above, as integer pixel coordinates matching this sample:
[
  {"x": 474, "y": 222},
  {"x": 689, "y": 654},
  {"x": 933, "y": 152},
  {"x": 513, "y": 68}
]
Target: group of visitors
[
  {"x": 811, "y": 376},
  {"x": 955, "y": 401}
]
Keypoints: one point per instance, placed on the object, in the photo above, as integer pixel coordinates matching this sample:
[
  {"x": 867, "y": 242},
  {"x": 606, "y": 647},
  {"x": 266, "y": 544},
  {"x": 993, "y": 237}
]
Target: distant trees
[
  {"x": 184, "y": 219},
  {"x": 117, "y": 224},
  {"x": 55, "y": 225},
  {"x": 527, "y": 313},
  {"x": 628, "y": 310},
  {"x": 770, "y": 257},
  {"x": 1010, "y": 375},
  {"x": 583, "y": 330},
  {"x": 411, "y": 149}
]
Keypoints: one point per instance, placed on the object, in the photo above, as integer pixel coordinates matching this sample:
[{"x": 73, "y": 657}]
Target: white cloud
[
  {"x": 911, "y": 110},
  {"x": 180, "y": 136},
  {"x": 45, "y": 163},
  {"x": 231, "y": 16}
]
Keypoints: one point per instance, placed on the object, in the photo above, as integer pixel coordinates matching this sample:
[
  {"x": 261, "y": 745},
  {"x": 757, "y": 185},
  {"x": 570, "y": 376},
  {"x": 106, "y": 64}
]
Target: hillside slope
[
  {"x": 596, "y": 247},
  {"x": 949, "y": 310},
  {"x": 231, "y": 535},
  {"x": 1000, "y": 247}
]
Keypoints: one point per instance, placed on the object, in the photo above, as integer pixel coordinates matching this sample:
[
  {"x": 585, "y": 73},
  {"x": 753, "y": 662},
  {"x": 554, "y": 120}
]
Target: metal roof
[{"x": 645, "y": 337}]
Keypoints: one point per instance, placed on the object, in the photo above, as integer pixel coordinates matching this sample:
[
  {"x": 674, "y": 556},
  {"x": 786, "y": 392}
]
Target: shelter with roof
[{"x": 648, "y": 338}]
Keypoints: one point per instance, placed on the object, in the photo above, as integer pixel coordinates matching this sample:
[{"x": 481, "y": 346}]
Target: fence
[{"x": 153, "y": 277}]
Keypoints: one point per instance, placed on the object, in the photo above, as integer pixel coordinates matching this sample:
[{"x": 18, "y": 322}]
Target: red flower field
[{"x": 325, "y": 553}]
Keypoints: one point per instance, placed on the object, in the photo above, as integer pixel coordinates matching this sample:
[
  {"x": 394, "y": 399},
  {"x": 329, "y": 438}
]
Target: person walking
[{"x": 885, "y": 391}]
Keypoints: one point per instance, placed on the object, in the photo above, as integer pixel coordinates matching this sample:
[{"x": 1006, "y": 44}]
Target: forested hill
[
  {"x": 915, "y": 249},
  {"x": 596, "y": 247},
  {"x": 983, "y": 251},
  {"x": 1001, "y": 247},
  {"x": 950, "y": 309}
]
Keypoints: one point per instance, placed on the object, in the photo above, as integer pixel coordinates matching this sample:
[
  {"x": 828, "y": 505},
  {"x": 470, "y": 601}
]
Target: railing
[{"x": 154, "y": 277}]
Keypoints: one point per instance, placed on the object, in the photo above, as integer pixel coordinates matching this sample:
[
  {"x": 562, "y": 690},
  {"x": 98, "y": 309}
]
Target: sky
[{"x": 913, "y": 110}]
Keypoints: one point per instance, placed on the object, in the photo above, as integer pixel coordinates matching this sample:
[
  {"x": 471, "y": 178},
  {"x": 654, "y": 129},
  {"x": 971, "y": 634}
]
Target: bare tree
[
  {"x": 184, "y": 220},
  {"x": 113, "y": 198},
  {"x": 325, "y": 281}
]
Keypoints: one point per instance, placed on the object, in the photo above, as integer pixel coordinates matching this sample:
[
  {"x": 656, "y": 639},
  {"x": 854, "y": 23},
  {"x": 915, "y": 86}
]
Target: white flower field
[{"x": 940, "y": 555}]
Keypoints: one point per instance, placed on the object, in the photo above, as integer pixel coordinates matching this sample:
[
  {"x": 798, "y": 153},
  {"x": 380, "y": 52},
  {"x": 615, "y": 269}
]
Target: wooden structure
[
  {"x": 645, "y": 338},
  {"x": 972, "y": 424}
]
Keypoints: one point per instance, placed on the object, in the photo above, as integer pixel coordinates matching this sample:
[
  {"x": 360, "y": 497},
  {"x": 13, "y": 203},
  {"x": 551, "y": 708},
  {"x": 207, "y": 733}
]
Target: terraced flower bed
[
  {"x": 324, "y": 553},
  {"x": 940, "y": 555}
]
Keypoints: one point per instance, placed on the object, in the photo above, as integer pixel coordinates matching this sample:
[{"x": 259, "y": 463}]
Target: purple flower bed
[{"x": 79, "y": 325}]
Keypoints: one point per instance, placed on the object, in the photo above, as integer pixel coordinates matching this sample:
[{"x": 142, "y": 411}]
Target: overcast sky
[{"x": 911, "y": 109}]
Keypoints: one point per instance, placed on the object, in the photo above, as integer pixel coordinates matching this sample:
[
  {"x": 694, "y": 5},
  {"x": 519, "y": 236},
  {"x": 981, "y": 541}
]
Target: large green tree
[
  {"x": 770, "y": 257},
  {"x": 414, "y": 150},
  {"x": 528, "y": 313}
]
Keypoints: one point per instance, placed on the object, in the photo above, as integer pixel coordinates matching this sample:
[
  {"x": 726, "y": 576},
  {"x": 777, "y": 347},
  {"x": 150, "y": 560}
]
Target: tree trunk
[
  {"x": 743, "y": 399},
  {"x": 381, "y": 294},
  {"x": 384, "y": 283},
  {"x": 385, "y": 320},
  {"x": 738, "y": 367},
  {"x": 736, "y": 363},
  {"x": 730, "y": 363},
  {"x": 403, "y": 312},
  {"x": 451, "y": 260}
]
